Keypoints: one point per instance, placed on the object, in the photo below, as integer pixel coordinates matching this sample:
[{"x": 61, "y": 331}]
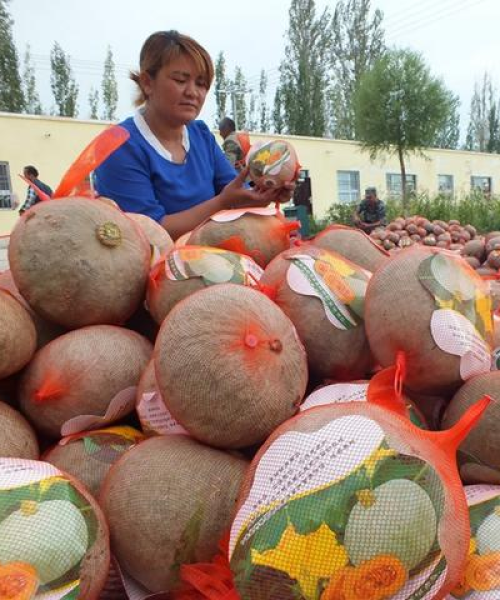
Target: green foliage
[
  {"x": 483, "y": 131},
  {"x": 32, "y": 104},
  {"x": 109, "y": 88},
  {"x": 11, "y": 93},
  {"x": 221, "y": 87},
  {"x": 64, "y": 87},
  {"x": 278, "y": 118},
  {"x": 263, "y": 110},
  {"x": 358, "y": 42},
  {"x": 239, "y": 89},
  {"x": 94, "y": 103}
]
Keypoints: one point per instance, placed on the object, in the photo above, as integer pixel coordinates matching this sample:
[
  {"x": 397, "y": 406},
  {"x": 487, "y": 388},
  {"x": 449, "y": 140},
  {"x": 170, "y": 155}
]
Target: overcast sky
[{"x": 459, "y": 38}]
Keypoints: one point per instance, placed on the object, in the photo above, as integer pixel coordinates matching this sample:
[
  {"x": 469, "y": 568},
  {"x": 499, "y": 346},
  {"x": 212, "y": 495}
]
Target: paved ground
[{"x": 4, "y": 263}]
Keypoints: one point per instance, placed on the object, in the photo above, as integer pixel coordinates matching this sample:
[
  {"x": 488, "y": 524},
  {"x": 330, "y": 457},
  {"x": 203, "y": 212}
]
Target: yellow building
[{"x": 339, "y": 170}]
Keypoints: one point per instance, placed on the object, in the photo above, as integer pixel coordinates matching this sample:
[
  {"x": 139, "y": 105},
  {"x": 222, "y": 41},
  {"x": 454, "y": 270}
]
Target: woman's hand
[{"x": 234, "y": 195}]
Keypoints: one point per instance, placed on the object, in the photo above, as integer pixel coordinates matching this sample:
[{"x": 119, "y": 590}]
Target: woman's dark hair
[
  {"x": 30, "y": 169},
  {"x": 164, "y": 46}
]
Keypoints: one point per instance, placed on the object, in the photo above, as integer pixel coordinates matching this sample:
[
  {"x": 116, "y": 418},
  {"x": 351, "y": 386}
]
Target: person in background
[
  {"x": 31, "y": 173},
  {"x": 171, "y": 168},
  {"x": 232, "y": 144},
  {"x": 371, "y": 212}
]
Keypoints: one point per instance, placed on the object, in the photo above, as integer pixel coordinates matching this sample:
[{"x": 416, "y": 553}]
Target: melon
[
  {"x": 335, "y": 350},
  {"x": 80, "y": 373},
  {"x": 17, "y": 438},
  {"x": 400, "y": 306},
  {"x": 89, "y": 457},
  {"x": 482, "y": 446},
  {"x": 260, "y": 236},
  {"x": 17, "y": 335},
  {"x": 156, "y": 235},
  {"x": 230, "y": 366},
  {"x": 79, "y": 262},
  {"x": 488, "y": 534},
  {"x": 272, "y": 164},
  {"x": 412, "y": 530},
  {"x": 475, "y": 249},
  {"x": 354, "y": 245},
  {"x": 168, "y": 501}
]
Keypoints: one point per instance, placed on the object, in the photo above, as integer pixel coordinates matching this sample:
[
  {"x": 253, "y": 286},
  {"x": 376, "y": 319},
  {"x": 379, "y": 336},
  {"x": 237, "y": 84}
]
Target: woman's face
[{"x": 178, "y": 91}]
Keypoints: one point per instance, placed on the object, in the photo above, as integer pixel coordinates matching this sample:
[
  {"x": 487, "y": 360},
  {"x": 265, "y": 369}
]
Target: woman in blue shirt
[{"x": 171, "y": 168}]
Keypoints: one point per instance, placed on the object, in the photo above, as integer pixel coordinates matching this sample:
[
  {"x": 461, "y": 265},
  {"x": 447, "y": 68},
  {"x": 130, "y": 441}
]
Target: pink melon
[
  {"x": 79, "y": 262},
  {"x": 17, "y": 438}
]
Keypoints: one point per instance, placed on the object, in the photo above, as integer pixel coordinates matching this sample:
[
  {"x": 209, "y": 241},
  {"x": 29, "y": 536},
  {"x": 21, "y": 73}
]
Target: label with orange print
[
  {"x": 213, "y": 265},
  {"x": 462, "y": 323},
  {"x": 340, "y": 285},
  {"x": 46, "y": 529},
  {"x": 337, "y": 392},
  {"x": 155, "y": 417},
  {"x": 226, "y": 216},
  {"x": 333, "y": 510},
  {"x": 481, "y": 577}
]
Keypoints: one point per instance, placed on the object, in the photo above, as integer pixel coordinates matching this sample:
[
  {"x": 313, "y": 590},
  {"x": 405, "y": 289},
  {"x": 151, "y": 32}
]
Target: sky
[{"x": 459, "y": 39}]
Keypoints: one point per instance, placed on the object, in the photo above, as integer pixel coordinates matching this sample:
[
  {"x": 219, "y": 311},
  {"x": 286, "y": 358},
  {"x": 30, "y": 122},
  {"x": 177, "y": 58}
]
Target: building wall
[{"x": 53, "y": 143}]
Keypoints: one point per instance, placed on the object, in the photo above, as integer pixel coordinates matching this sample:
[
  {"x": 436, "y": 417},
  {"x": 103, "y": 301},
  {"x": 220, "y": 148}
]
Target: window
[
  {"x": 394, "y": 187},
  {"x": 481, "y": 184},
  {"x": 348, "y": 186},
  {"x": 445, "y": 184},
  {"x": 5, "y": 189}
]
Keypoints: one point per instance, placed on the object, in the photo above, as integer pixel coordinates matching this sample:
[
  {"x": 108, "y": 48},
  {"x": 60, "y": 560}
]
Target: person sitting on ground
[
  {"x": 32, "y": 197},
  {"x": 371, "y": 212},
  {"x": 232, "y": 146},
  {"x": 171, "y": 167}
]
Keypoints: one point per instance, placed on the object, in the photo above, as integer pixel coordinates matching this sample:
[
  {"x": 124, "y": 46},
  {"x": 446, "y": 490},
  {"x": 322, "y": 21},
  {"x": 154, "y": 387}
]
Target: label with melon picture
[
  {"x": 46, "y": 529},
  {"x": 331, "y": 511}
]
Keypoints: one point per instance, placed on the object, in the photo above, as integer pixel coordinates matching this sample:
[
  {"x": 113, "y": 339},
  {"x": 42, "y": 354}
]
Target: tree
[
  {"x": 239, "y": 90},
  {"x": 357, "y": 43},
  {"x": 264, "y": 116},
  {"x": 304, "y": 73},
  {"x": 400, "y": 108},
  {"x": 94, "y": 103},
  {"x": 221, "y": 87},
  {"x": 483, "y": 128},
  {"x": 32, "y": 104},
  {"x": 64, "y": 87},
  {"x": 278, "y": 120},
  {"x": 449, "y": 135},
  {"x": 252, "y": 121},
  {"x": 109, "y": 88},
  {"x": 11, "y": 94}
]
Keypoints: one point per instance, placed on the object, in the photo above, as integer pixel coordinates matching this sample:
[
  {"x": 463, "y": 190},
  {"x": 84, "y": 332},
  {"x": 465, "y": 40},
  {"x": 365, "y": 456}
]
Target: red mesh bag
[
  {"x": 323, "y": 294},
  {"x": 54, "y": 540}
]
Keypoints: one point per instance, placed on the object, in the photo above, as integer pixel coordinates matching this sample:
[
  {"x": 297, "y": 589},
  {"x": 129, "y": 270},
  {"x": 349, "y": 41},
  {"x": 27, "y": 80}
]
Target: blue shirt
[{"x": 140, "y": 179}]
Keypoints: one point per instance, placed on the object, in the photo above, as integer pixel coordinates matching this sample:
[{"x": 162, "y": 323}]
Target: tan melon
[
  {"x": 80, "y": 373},
  {"x": 334, "y": 351},
  {"x": 156, "y": 235},
  {"x": 168, "y": 501},
  {"x": 17, "y": 438},
  {"x": 230, "y": 366},
  {"x": 17, "y": 335},
  {"x": 354, "y": 245},
  {"x": 79, "y": 262}
]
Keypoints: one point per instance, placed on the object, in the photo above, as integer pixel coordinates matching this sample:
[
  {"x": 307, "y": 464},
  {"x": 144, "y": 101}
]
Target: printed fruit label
[
  {"x": 225, "y": 216},
  {"x": 340, "y": 285},
  {"x": 481, "y": 578},
  {"x": 106, "y": 445},
  {"x": 462, "y": 324},
  {"x": 332, "y": 510},
  {"x": 155, "y": 417},
  {"x": 46, "y": 529},
  {"x": 213, "y": 265}
]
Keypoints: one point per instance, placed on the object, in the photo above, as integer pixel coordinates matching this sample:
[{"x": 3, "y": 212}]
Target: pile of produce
[{"x": 242, "y": 417}]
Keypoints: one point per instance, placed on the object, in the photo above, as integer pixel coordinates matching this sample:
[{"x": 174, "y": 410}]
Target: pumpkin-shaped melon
[
  {"x": 17, "y": 335},
  {"x": 17, "y": 438},
  {"x": 156, "y": 235},
  {"x": 272, "y": 164},
  {"x": 79, "y": 262}
]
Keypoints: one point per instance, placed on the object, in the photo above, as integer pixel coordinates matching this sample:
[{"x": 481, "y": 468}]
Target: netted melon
[
  {"x": 156, "y": 235},
  {"x": 329, "y": 323},
  {"x": 230, "y": 366},
  {"x": 272, "y": 164},
  {"x": 17, "y": 438},
  {"x": 488, "y": 533},
  {"x": 168, "y": 502},
  {"x": 79, "y": 262},
  {"x": 354, "y": 245},
  {"x": 17, "y": 335},
  {"x": 80, "y": 373}
]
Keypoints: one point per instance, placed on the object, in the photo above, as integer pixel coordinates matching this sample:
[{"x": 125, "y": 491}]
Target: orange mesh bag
[
  {"x": 83, "y": 380},
  {"x": 17, "y": 335},
  {"x": 272, "y": 164},
  {"x": 45, "y": 330},
  {"x": 261, "y": 233},
  {"x": 481, "y": 575},
  {"x": 324, "y": 296},
  {"x": 352, "y": 501},
  {"x": 17, "y": 438},
  {"x": 191, "y": 268},
  {"x": 479, "y": 454},
  {"x": 157, "y": 236},
  {"x": 54, "y": 540},
  {"x": 431, "y": 305},
  {"x": 79, "y": 262},
  {"x": 88, "y": 456},
  {"x": 167, "y": 501},
  {"x": 229, "y": 366},
  {"x": 354, "y": 245}
]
